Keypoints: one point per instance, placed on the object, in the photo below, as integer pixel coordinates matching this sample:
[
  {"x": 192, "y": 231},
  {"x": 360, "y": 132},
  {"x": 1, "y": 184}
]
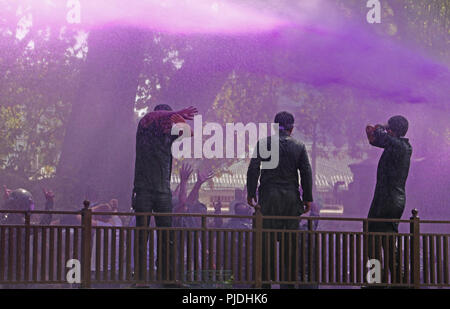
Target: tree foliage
[{"x": 39, "y": 65}]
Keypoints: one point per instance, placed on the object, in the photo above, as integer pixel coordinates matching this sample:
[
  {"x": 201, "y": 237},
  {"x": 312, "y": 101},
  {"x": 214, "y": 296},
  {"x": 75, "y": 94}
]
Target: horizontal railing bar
[
  {"x": 220, "y": 216},
  {"x": 248, "y": 217},
  {"x": 431, "y": 234},
  {"x": 35, "y": 282},
  {"x": 434, "y": 221},
  {"x": 250, "y": 230},
  {"x": 31, "y": 226},
  {"x": 36, "y": 212}
]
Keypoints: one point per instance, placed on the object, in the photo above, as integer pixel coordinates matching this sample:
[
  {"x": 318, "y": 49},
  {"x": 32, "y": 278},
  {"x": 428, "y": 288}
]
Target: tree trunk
[{"x": 98, "y": 150}]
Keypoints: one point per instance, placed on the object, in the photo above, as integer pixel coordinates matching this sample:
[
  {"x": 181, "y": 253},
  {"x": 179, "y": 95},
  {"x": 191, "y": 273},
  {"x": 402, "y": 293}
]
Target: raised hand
[
  {"x": 369, "y": 128},
  {"x": 370, "y": 131},
  {"x": 204, "y": 176},
  {"x": 177, "y": 118},
  {"x": 6, "y": 192},
  {"x": 185, "y": 172},
  {"x": 188, "y": 113},
  {"x": 49, "y": 195}
]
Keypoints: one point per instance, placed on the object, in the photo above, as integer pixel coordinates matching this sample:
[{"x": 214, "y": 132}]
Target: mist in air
[{"x": 245, "y": 61}]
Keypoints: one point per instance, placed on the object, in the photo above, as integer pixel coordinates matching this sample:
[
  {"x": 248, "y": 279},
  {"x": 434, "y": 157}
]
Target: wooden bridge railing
[{"x": 210, "y": 256}]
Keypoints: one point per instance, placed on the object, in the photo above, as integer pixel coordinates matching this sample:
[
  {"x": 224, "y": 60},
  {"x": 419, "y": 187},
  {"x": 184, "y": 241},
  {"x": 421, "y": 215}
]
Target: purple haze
[
  {"x": 312, "y": 46},
  {"x": 322, "y": 47}
]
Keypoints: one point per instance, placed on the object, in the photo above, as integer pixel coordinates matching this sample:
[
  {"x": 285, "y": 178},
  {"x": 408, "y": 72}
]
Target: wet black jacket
[
  {"x": 153, "y": 165},
  {"x": 393, "y": 168},
  {"x": 279, "y": 187},
  {"x": 292, "y": 158}
]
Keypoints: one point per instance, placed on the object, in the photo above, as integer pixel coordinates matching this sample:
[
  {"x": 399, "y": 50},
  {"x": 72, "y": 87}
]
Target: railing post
[
  {"x": 415, "y": 248},
  {"x": 204, "y": 247},
  {"x": 27, "y": 245},
  {"x": 258, "y": 246},
  {"x": 86, "y": 227},
  {"x": 366, "y": 257}
]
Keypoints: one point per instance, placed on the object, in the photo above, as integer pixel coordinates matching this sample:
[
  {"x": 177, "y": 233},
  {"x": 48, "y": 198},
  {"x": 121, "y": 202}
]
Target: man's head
[
  {"x": 398, "y": 125},
  {"x": 20, "y": 199},
  {"x": 285, "y": 121},
  {"x": 162, "y": 107}
]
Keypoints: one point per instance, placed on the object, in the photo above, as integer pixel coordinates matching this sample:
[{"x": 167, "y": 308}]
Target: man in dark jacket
[
  {"x": 389, "y": 198},
  {"x": 153, "y": 168},
  {"x": 279, "y": 195},
  {"x": 15, "y": 245}
]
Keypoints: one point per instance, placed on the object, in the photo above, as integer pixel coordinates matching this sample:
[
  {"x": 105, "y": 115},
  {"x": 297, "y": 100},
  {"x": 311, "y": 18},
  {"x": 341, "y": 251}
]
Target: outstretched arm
[
  {"x": 185, "y": 172},
  {"x": 186, "y": 113},
  {"x": 202, "y": 177},
  {"x": 181, "y": 123}
]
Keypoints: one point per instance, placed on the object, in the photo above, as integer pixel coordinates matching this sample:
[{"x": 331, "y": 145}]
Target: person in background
[
  {"x": 114, "y": 203},
  {"x": 180, "y": 194},
  {"x": 191, "y": 203},
  {"x": 22, "y": 200},
  {"x": 304, "y": 226},
  {"x": 241, "y": 209},
  {"x": 100, "y": 221},
  {"x": 239, "y": 197},
  {"x": 218, "y": 222},
  {"x": 202, "y": 177}
]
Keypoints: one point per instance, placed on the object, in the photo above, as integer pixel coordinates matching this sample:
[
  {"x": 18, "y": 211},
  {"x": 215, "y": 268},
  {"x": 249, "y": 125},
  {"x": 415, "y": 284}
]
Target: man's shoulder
[
  {"x": 288, "y": 139},
  {"x": 401, "y": 144},
  {"x": 295, "y": 142},
  {"x": 141, "y": 129}
]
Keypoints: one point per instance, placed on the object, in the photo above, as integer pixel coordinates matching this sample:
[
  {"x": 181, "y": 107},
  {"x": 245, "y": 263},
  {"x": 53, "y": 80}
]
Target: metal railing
[{"x": 203, "y": 255}]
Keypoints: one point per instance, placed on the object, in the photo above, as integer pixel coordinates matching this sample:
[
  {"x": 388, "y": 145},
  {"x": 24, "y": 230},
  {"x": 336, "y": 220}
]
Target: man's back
[
  {"x": 279, "y": 187},
  {"x": 393, "y": 168},
  {"x": 292, "y": 158},
  {"x": 153, "y": 164}
]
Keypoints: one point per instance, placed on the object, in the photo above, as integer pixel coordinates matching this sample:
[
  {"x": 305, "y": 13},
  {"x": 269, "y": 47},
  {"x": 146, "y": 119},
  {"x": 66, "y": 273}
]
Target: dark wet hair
[
  {"x": 162, "y": 107},
  {"x": 398, "y": 125},
  {"x": 285, "y": 120}
]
